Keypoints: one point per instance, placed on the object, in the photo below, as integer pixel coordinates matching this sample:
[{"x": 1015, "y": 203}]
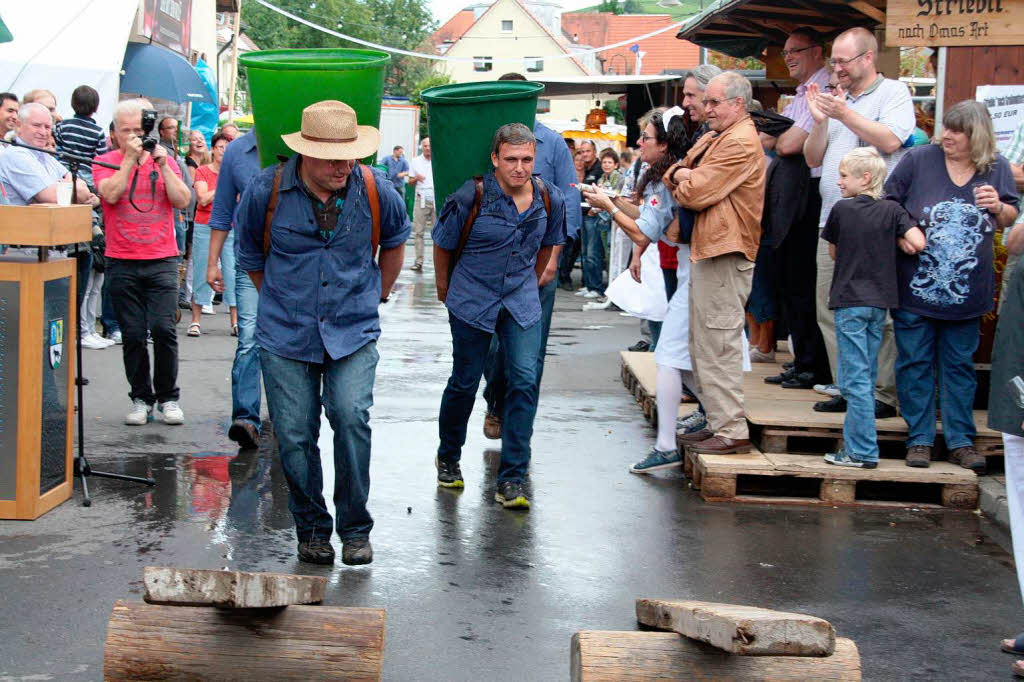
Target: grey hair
[
  {"x": 735, "y": 86},
  {"x": 26, "y": 109},
  {"x": 514, "y": 134},
  {"x": 703, "y": 74},
  {"x": 128, "y": 107}
]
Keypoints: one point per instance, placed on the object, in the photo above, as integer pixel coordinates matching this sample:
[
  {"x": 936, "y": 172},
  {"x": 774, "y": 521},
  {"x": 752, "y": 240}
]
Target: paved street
[{"x": 473, "y": 591}]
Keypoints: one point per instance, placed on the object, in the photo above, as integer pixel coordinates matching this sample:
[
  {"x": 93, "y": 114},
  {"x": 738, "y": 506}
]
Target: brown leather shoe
[
  {"x": 969, "y": 458},
  {"x": 696, "y": 436},
  {"x": 919, "y": 456},
  {"x": 720, "y": 445},
  {"x": 492, "y": 426}
]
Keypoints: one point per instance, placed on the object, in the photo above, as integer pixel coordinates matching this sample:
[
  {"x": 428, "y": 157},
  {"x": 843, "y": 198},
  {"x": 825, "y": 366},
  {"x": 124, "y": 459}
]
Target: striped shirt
[
  {"x": 81, "y": 136},
  {"x": 800, "y": 112}
]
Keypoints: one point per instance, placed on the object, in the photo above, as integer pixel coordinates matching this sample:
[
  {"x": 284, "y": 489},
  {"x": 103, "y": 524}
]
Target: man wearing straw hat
[{"x": 308, "y": 233}]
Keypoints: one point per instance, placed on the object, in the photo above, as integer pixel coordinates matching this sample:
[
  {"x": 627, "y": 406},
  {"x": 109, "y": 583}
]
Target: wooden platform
[
  {"x": 779, "y": 415},
  {"x": 808, "y": 479}
]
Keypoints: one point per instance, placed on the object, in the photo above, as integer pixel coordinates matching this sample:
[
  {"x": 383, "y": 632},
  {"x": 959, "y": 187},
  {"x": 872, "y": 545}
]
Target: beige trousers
[
  {"x": 423, "y": 219},
  {"x": 719, "y": 288},
  {"x": 885, "y": 384}
]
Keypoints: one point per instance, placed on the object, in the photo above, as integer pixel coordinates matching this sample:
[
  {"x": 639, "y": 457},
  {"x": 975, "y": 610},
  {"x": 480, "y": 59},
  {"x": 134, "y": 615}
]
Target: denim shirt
[
  {"x": 240, "y": 163},
  {"x": 318, "y": 298},
  {"x": 554, "y": 166},
  {"x": 497, "y": 267}
]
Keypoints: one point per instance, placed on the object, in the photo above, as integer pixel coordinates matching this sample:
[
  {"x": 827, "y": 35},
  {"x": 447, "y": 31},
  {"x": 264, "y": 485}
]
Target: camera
[{"x": 149, "y": 137}]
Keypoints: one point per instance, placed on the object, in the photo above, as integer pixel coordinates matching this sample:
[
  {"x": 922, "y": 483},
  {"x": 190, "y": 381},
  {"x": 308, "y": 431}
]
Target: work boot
[
  {"x": 919, "y": 456},
  {"x": 316, "y": 551},
  {"x": 357, "y": 552},
  {"x": 969, "y": 458},
  {"x": 492, "y": 426},
  {"x": 244, "y": 433},
  {"x": 449, "y": 474}
]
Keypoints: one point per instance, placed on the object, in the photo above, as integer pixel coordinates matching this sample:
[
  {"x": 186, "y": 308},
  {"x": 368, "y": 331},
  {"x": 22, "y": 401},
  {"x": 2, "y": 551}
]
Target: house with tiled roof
[
  {"x": 507, "y": 36},
  {"x": 449, "y": 32},
  {"x": 663, "y": 52}
]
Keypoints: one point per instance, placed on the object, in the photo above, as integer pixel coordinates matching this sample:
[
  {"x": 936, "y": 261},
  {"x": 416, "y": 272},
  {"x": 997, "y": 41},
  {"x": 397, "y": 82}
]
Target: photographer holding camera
[{"x": 138, "y": 204}]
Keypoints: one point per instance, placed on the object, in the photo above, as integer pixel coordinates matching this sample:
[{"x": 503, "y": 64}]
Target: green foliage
[
  {"x": 727, "y": 63},
  {"x": 429, "y": 80},
  {"x": 404, "y": 24},
  {"x": 632, "y": 7},
  {"x": 612, "y": 108}
]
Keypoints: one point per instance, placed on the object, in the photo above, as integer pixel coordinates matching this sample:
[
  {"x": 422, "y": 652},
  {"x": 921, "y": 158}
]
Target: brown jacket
[{"x": 726, "y": 189}]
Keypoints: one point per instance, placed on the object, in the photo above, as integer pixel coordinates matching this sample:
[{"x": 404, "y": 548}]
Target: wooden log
[
  {"x": 839, "y": 492},
  {"x": 737, "y": 629},
  {"x": 960, "y": 496},
  {"x": 154, "y": 642},
  {"x": 230, "y": 589},
  {"x": 716, "y": 486},
  {"x": 614, "y": 656}
]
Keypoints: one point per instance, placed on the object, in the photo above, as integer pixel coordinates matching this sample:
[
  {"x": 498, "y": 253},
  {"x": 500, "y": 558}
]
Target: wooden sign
[{"x": 944, "y": 23}]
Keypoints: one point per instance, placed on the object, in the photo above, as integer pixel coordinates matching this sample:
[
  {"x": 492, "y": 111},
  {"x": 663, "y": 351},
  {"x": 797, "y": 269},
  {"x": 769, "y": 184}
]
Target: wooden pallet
[
  {"x": 639, "y": 375},
  {"x": 721, "y": 478}
]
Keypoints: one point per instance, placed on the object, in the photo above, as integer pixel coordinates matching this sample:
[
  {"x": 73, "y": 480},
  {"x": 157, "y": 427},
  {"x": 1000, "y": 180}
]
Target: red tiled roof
[
  {"x": 453, "y": 29},
  {"x": 664, "y": 51}
]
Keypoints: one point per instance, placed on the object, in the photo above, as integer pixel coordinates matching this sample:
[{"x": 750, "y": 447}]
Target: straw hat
[{"x": 329, "y": 131}]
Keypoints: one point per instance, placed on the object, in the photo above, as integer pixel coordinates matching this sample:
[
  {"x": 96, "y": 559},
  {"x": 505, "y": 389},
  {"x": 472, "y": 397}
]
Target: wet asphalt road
[{"x": 473, "y": 591}]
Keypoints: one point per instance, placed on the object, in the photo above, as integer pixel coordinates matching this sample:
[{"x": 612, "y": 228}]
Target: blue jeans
[
  {"x": 593, "y": 254},
  {"x": 858, "y": 337},
  {"x": 494, "y": 367},
  {"x": 202, "y": 294},
  {"x": 296, "y": 392},
  {"x": 245, "y": 371},
  {"x": 927, "y": 349},
  {"x": 520, "y": 349}
]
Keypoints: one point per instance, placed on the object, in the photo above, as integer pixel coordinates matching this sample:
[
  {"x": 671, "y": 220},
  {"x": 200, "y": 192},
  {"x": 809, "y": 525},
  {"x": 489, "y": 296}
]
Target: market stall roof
[
  {"x": 744, "y": 28},
  {"x": 585, "y": 86}
]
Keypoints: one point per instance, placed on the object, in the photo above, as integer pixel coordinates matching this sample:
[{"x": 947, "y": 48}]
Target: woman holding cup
[{"x": 960, "y": 191}]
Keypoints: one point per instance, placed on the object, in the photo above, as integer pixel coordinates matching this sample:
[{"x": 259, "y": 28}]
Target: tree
[
  {"x": 404, "y": 24},
  {"x": 428, "y": 81},
  {"x": 632, "y": 7}
]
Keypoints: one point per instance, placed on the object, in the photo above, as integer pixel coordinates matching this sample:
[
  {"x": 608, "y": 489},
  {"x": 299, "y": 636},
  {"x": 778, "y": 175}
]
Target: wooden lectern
[{"x": 38, "y": 331}]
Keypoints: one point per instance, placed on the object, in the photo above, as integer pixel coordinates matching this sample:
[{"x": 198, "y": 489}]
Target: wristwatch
[{"x": 614, "y": 211}]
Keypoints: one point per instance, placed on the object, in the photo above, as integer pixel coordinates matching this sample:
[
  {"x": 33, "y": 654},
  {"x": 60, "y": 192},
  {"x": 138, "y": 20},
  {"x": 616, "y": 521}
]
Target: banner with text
[
  {"x": 1006, "y": 104},
  {"x": 944, "y": 23}
]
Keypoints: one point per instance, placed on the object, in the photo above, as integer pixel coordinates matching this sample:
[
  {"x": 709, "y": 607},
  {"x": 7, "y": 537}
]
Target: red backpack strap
[
  {"x": 467, "y": 227},
  {"x": 275, "y": 190},
  {"x": 374, "y": 198}
]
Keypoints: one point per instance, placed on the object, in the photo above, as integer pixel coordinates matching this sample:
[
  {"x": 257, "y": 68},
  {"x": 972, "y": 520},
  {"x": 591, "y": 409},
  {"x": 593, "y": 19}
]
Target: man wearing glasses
[
  {"x": 805, "y": 58},
  {"x": 865, "y": 110},
  {"x": 722, "y": 179}
]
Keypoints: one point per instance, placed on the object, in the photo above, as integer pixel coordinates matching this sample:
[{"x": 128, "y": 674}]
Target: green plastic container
[
  {"x": 463, "y": 118},
  {"x": 284, "y": 82}
]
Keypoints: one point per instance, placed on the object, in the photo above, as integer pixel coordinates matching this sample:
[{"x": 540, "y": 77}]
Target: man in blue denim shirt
[
  {"x": 318, "y": 324},
  {"x": 493, "y": 288},
  {"x": 241, "y": 162},
  {"x": 554, "y": 166}
]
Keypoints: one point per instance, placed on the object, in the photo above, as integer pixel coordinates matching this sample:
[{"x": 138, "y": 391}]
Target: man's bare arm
[
  {"x": 791, "y": 142},
  {"x": 442, "y": 261},
  {"x": 390, "y": 262}
]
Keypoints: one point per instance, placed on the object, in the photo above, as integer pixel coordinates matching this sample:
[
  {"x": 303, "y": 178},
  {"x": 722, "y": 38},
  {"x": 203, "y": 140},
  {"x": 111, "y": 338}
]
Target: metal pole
[
  {"x": 234, "y": 66},
  {"x": 940, "y": 90}
]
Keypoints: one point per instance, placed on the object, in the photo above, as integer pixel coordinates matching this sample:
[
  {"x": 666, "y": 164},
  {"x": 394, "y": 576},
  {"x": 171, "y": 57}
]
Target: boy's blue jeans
[
  {"x": 297, "y": 392},
  {"x": 930, "y": 349},
  {"x": 858, "y": 337},
  {"x": 520, "y": 349}
]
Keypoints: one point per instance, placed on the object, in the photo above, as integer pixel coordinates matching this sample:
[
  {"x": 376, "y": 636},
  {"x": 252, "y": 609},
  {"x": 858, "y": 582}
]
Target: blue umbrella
[{"x": 157, "y": 72}]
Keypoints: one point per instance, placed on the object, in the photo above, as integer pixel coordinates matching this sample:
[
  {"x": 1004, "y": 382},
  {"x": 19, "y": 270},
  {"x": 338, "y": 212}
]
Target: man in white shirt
[
  {"x": 865, "y": 110},
  {"x": 421, "y": 176}
]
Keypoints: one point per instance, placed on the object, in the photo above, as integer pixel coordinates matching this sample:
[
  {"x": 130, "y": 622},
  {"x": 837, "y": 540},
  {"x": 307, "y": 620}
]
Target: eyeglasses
[
  {"x": 844, "y": 62},
  {"x": 712, "y": 102},
  {"x": 645, "y": 137},
  {"x": 830, "y": 88},
  {"x": 797, "y": 50}
]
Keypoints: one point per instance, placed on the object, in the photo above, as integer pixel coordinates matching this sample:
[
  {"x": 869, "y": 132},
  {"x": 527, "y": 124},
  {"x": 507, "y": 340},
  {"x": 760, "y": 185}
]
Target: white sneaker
[
  {"x": 105, "y": 342},
  {"x": 208, "y": 310},
  {"x": 591, "y": 294},
  {"x": 172, "y": 413},
  {"x": 139, "y": 414},
  {"x": 92, "y": 343},
  {"x": 116, "y": 337},
  {"x": 580, "y": 292},
  {"x": 827, "y": 389}
]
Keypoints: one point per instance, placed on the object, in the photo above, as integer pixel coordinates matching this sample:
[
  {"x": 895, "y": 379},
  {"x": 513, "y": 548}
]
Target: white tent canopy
[{"x": 61, "y": 44}]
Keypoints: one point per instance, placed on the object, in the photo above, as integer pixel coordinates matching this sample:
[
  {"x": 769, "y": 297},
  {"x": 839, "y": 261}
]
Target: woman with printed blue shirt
[
  {"x": 652, "y": 220},
  {"x": 960, "y": 192}
]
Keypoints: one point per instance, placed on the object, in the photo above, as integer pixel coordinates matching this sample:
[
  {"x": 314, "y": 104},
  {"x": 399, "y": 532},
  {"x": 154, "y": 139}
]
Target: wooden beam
[
  {"x": 230, "y": 589},
  {"x": 772, "y": 9},
  {"x": 868, "y": 10}
]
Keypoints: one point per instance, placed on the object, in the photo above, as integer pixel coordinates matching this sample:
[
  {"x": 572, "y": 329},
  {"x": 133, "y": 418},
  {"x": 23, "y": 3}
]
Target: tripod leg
[
  {"x": 86, "y": 500},
  {"x": 123, "y": 477}
]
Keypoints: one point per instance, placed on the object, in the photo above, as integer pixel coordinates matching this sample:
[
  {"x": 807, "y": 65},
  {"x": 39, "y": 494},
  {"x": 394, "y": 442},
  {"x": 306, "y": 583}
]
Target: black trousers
[
  {"x": 797, "y": 258},
  {"x": 145, "y": 296}
]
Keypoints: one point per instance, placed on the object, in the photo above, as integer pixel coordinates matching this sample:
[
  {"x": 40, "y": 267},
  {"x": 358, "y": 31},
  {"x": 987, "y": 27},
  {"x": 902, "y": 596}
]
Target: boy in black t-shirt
[{"x": 863, "y": 232}]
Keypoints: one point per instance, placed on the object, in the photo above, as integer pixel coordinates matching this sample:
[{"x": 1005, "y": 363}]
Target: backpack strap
[
  {"x": 539, "y": 183},
  {"x": 275, "y": 191},
  {"x": 467, "y": 227},
  {"x": 374, "y": 198}
]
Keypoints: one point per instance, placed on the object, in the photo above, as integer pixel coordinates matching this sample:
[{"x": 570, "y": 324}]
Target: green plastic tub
[
  {"x": 463, "y": 118},
  {"x": 284, "y": 82}
]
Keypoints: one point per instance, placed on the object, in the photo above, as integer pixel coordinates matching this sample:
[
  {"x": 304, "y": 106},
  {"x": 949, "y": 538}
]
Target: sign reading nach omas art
[{"x": 935, "y": 23}]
